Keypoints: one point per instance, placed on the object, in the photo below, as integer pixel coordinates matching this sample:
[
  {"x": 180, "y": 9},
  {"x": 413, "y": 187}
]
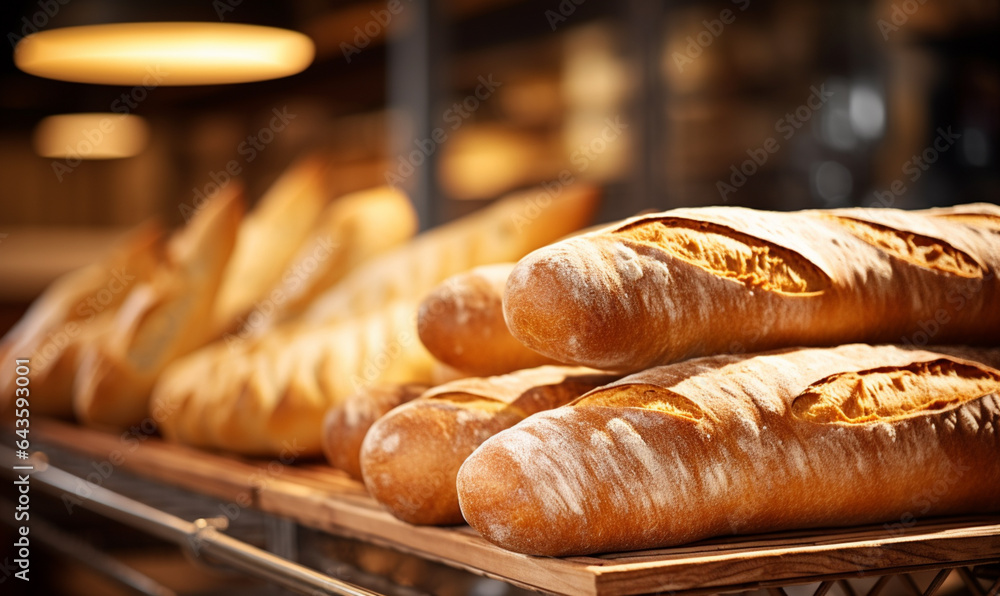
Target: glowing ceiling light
[
  {"x": 91, "y": 136},
  {"x": 176, "y": 53}
]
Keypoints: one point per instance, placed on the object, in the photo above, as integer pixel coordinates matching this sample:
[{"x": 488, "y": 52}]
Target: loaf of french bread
[
  {"x": 266, "y": 395},
  {"x": 72, "y": 312},
  {"x": 258, "y": 393},
  {"x": 503, "y": 231},
  {"x": 461, "y": 323},
  {"x": 411, "y": 456},
  {"x": 690, "y": 282},
  {"x": 743, "y": 444},
  {"x": 346, "y": 424},
  {"x": 269, "y": 237},
  {"x": 352, "y": 230},
  {"x": 159, "y": 321}
]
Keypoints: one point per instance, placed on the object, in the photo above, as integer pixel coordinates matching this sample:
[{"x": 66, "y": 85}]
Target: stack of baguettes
[
  {"x": 672, "y": 377},
  {"x": 238, "y": 331},
  {"x": 701, "y": 372},
  {"x": 100, "y": 338}
]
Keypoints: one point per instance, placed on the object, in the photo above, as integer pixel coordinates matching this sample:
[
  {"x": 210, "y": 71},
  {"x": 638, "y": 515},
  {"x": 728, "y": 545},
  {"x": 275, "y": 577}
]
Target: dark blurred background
[{"x": 776, "y": 104}]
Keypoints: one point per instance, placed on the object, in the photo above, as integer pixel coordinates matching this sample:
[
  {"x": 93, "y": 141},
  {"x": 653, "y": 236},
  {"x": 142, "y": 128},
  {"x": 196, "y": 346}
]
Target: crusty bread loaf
[
  {"x": 161, "y": 320},
  {"x": 744, "y": 444},
  {"x": 504, "y": 231},
  {"x": 266, "y": 395},
  {"x": 411, "y": 456},
  {"x": 691, "y": 282},
  {"x": 68, "y": 316},
  {"x": 361, "y": 331},
  {"x": 461, "y": 323},
  {"x": 353, "y": 229},
  {"x": 346, "y": 424},
  {"x": 268, "y": 238}
]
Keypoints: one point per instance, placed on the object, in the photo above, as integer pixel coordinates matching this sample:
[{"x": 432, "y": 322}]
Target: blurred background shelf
[{"x": 698, "y": 85}]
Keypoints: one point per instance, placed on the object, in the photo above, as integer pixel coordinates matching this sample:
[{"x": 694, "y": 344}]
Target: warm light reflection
[
  {"x": 91, "y": 136},
  {"x": 164, "y": 53}
]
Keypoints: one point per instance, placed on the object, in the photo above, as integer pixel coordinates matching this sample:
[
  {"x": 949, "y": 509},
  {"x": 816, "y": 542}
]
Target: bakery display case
[{"x": 494, "y": 297}]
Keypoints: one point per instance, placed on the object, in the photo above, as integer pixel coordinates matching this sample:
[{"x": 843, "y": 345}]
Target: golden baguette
[
  {"x": 269, "y": 394},
  {"x": 732, "y": 444},
  {"x": 504, "y": 231},
  {"x": 269, "y": 237},
  {"x": 411, "y": 456},
  {"x": 692, "y": 282},
  {"x": 261, "y": 403},
  {"x": 160, "y": 320},
  {"x": 461, "y": 323},
  {"x": 68, "y": 316},
  {"x": 351, "y": 230}
]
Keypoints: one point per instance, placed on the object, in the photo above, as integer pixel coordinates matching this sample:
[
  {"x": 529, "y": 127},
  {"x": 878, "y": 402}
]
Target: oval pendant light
[
  {"x": 91, "y": 136},
  {"x": 164, "y": 53}
]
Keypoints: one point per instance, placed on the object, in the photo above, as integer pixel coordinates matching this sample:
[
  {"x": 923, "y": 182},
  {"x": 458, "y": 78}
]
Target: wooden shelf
[{"x": 317, "y": 496}]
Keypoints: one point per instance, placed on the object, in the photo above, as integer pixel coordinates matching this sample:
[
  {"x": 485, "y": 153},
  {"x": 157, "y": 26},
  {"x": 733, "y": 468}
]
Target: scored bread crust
[
  {"x": 411, "y": 456},
  {"x": 267, "y": 396},
  {"x": 692, "y": 282},
  {"x": 744, "y": 444},
  {"x": 461, "y": 323}
]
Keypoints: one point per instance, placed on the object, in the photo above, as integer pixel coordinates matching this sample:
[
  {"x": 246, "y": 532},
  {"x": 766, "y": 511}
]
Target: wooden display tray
[{"x": 319, "y": 497}]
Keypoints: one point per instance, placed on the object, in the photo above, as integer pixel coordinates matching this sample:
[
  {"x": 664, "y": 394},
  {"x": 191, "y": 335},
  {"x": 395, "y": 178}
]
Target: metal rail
[
  {"x": 202, "y": 537},
  {"x": 85, "y": 554}
]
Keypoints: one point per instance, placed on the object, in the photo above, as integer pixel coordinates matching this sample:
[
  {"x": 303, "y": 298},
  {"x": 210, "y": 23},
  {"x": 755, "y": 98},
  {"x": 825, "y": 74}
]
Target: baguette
[
  {"x": 345, "y": 424},
  {"x": 279, "y": 382},
  {"x": 352, "y": 230},
  {"x": 267, "y": 395},
  {"x": 269, "y": 237},
  {"x": 159, "y": 321},
  {"x": 68, "y": 316},
  {"x": 461, "y": 323},
  {"x": 411, "y": 456},
  {"x": 743, "y": 444},
  {"x": 504, "y": 231},
  {"x": 693, "y": 282}
]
